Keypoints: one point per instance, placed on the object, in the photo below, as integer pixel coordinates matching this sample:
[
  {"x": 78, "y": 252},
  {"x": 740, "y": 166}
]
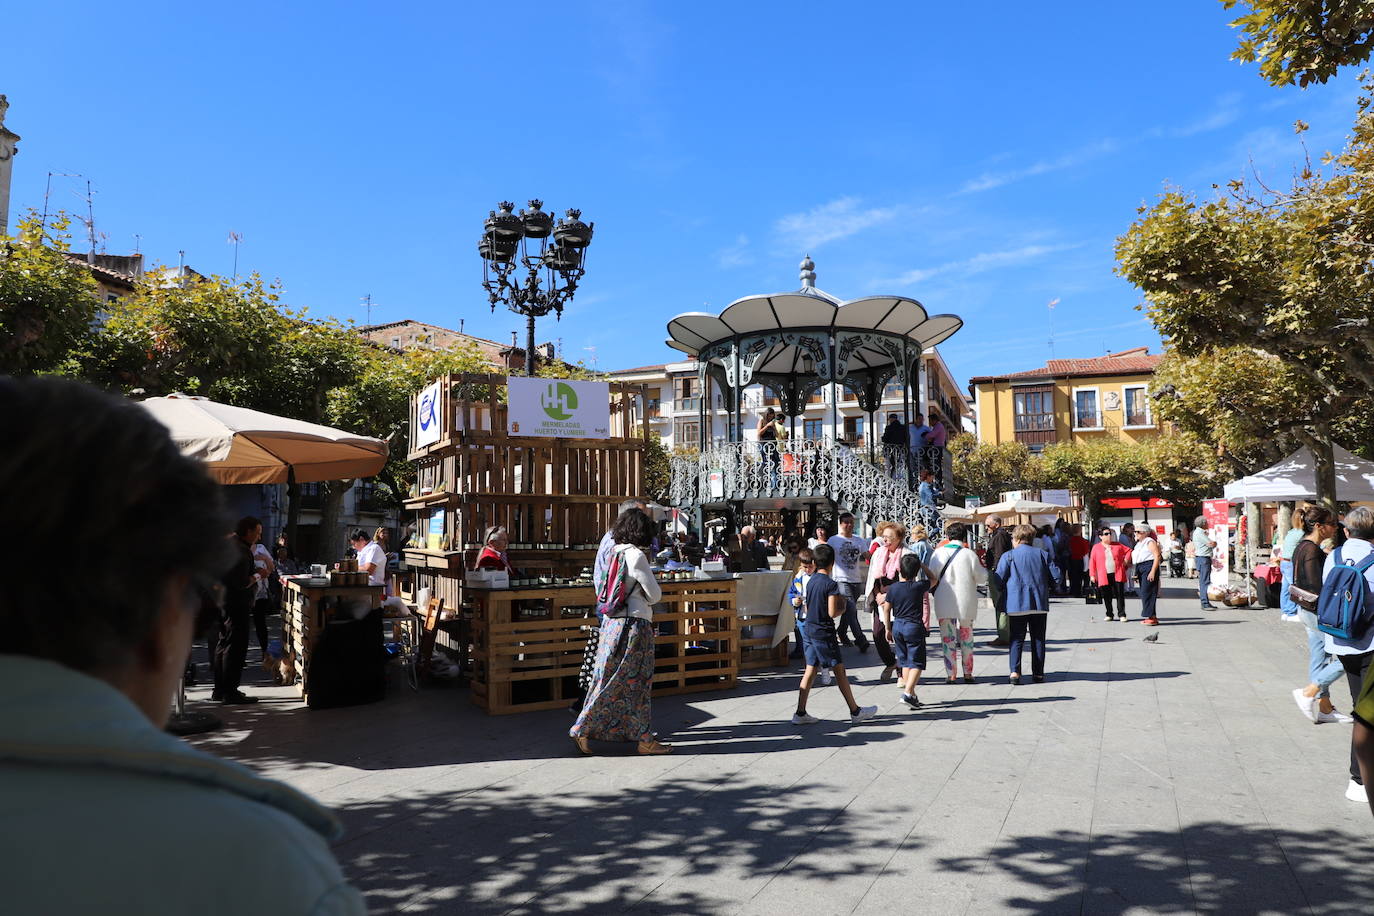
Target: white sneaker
[
  {"x": 827, "y": 678},
  {"x": 1307, "y": 704},
  {"x": 1333, "y": 716},
  {"x": 1356, "y": 792},
  {"x": 863, "y": 715},
  {"x": 1290, "y": 618},
  {"x": 802, "y": 718}
]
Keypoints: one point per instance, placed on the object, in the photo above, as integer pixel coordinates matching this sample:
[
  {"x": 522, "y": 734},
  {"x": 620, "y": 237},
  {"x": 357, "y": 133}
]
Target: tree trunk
[
  {"x": 1325, "y": 461},
  {"x": 1284, "y": 520},
  {"x": 1090, "y": 504},
  {"x": 332, "y": 541},
  {"x": 293, "y": 514},
  {"x": 1252, "y": 535}
]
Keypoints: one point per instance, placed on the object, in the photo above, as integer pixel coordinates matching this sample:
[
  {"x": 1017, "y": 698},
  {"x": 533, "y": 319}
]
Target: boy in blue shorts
[
  {"x": 796, "y": 593},
  {"x": 901, "y": 609},
  {"x": 824, "y": 604}
]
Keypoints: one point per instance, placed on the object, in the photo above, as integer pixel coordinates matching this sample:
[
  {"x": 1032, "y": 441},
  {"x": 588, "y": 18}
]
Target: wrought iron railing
[{"x": 804, "y": 469}]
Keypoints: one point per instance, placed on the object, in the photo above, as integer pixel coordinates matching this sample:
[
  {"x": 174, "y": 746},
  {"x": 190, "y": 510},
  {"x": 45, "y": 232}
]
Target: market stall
[{"x": 332, "y": 639}]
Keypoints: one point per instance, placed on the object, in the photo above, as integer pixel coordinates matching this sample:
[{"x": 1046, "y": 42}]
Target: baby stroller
[{"x": 1177, "y": 567}]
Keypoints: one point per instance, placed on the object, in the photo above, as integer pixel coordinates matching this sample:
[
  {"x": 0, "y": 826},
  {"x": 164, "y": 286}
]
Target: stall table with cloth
[{"x": 350, "y": 617}]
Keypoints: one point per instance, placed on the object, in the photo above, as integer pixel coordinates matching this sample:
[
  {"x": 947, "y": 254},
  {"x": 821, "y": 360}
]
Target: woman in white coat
[{"x": 955, "y": 600}]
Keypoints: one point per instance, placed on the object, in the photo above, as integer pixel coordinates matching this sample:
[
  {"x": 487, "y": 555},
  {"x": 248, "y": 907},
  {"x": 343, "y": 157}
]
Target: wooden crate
[
  {"x": 757, "y": 650},
  {"x": 305, "y": 613},
  {"x": 528, "y": 643}
]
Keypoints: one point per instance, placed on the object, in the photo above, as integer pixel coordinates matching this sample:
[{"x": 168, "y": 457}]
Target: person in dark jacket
[
  {"x": 240, "y": 584},
  {"x": 894, "y": 443},
  {"x": 1025, "y": 572},
  {"x": 999, "y": 542}
]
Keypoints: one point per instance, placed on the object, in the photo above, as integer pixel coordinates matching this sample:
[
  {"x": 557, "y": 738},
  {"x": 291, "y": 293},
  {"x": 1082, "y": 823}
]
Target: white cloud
[
  {"x": 736, "y": 255},
  {"x": 836, "y": 220},
  {"x": 989, "y": 180},
  {"x": 979, "y": 263}
]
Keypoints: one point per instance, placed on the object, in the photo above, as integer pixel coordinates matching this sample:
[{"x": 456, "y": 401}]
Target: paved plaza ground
[{"x": 1173, "y": 776}]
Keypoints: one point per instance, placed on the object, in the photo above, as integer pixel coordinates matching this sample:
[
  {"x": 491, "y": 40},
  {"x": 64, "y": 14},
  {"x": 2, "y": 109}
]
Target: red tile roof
[{"x": 1136, "y": 361}]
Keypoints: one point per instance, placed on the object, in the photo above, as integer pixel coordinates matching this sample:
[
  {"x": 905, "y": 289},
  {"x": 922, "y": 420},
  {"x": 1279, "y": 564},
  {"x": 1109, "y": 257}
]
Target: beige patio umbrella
[
  {"x": 1020, "y": 507},
  {"x": 238, "y": 445},
  {"x": 956, "y": 513}
]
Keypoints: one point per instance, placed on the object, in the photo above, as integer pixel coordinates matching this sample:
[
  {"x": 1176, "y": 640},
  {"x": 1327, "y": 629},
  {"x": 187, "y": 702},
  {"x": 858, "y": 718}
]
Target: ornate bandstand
[{"x": 796, "y": 343}]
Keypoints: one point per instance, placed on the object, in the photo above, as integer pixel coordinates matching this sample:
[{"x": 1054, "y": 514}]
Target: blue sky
[{"x": 981, "y": 159}]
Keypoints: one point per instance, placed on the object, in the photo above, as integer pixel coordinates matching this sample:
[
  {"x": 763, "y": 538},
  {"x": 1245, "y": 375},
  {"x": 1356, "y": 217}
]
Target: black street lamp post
[{"x": 505, "y": 246}]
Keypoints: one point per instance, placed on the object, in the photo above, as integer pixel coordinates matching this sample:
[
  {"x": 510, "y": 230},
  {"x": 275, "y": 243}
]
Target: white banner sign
[
  {"x": 559, "y": 408},
  {"x": 427, "y": 425}
]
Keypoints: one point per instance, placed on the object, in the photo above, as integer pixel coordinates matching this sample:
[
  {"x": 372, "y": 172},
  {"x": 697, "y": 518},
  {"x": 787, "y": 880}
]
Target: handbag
[{"x": 1303, "y": 598}]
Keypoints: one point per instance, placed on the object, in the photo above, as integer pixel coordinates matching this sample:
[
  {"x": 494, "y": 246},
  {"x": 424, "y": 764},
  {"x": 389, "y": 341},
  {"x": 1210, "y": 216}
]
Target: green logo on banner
[{"x": 558, "y": 400}]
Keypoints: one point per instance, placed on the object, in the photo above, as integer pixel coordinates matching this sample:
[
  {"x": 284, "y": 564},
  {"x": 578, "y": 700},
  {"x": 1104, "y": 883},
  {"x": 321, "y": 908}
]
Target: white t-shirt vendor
[{"x": 371, "y": 557}]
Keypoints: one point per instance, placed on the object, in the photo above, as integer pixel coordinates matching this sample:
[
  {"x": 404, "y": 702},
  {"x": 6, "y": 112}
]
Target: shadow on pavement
[
  {"x": 698, "y": 846},
  {"x": 1204, "y": 867}
]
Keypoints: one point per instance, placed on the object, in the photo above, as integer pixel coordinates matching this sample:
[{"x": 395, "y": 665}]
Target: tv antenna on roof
[
  {"x": 1050, "y": 306},
  {"x": 592, "y": 351},
  {"x": 47, "y": 192},
  {"x": 367, "y": 304},
  {"x": 235, "y": 239}
]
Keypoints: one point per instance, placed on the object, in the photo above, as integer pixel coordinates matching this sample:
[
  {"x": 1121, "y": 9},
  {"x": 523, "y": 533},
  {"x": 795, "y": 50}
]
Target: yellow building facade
[{"x": 1069, "y": 400}]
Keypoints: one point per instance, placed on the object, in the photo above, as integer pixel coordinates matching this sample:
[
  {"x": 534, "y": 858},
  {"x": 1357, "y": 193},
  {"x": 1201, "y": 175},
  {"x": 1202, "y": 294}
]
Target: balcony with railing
[{"x": 1034, "y": 429}]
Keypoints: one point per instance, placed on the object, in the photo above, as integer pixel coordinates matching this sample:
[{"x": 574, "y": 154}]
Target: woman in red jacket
[{"x": 1108, "y": 567}]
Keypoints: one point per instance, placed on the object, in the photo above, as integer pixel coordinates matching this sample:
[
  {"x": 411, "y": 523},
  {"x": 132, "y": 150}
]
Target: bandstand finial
[{"x": 808, "y": 273}]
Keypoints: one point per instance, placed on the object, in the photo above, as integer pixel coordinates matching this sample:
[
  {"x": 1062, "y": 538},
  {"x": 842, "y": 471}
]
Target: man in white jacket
[{"x": 955, "y": 599}]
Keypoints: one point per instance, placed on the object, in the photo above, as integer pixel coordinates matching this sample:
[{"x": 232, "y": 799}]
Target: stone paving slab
[{"x": 1167, "y": 777}]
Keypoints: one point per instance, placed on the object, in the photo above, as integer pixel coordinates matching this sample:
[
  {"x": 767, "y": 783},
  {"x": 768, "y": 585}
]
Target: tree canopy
[
  {"x": 1304, "y": 41},
  {"x": 47, "y": 302},
  {"x": 1285, "y": 274}
]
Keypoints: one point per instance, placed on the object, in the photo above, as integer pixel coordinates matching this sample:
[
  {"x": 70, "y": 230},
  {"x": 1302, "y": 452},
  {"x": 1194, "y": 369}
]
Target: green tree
[
  {"x": 47, "y": 302},
  {"x": 1286, "y": 273},
  {"x": 987, "y": 469},
  {"x": 658, "y": 472},
  {"x": 211, "y": 337},
  {"x": 1093, "y": 470},
  {"x": 1304, "y": 41}
]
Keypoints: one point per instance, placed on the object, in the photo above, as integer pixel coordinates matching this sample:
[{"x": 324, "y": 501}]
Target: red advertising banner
[{"x": 1218, "y": 515}]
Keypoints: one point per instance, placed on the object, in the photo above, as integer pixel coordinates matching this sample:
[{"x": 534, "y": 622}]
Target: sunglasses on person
[{"x": 1104, "y": 534}]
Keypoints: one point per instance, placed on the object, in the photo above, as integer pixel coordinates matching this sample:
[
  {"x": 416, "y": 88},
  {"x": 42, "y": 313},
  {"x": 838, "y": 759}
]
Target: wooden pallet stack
[
  {"x": 528, "y": 643},
  {"x": 554, "y": 497}
]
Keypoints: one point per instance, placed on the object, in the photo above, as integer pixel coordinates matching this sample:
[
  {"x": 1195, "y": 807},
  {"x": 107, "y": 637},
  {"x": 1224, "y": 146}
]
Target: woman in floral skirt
[{"x": 618, "y": 701}]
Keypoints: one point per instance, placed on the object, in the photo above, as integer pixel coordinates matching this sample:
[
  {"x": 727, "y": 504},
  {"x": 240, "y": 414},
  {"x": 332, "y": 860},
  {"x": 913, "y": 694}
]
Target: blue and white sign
[
  {"x": 559, "y": 408},
  {"x": 428, "y": 427}
]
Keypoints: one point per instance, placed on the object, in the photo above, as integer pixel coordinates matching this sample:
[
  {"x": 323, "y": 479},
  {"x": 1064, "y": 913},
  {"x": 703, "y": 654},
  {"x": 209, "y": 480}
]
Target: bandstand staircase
[{"x": 807, "y": 470}]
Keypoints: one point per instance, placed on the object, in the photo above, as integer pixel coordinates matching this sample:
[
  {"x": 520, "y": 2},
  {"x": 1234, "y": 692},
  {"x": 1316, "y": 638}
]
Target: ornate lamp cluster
[{"x": 506, "y": 246}]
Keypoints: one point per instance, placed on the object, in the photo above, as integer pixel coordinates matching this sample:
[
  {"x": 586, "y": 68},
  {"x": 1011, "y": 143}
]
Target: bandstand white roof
[{"x": 813, "y": 310}]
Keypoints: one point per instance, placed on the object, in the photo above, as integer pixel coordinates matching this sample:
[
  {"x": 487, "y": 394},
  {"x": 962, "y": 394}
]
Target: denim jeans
[
  {"x": 1286, "y": 604},
  {"x": 1322, "y": 670},
  {"x": 849, "y": 623},
  {"x": 1204, "y": 578}
]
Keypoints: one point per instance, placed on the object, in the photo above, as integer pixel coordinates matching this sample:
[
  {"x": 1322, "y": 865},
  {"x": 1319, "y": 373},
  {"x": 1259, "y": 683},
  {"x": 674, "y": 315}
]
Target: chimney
[{"x": 9, "y": 145}]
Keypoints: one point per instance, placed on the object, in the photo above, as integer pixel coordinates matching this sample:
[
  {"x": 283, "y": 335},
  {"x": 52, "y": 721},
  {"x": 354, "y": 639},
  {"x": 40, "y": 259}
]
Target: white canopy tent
[{"x": 1295, "y": 477}]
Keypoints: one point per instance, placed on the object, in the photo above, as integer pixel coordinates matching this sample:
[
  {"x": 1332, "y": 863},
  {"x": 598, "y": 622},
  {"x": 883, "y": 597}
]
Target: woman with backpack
[
  {"x": 618, "y": 702},
  {"x": 1314, "y": 700},
  {"x": 1356, "y": 650},
  {"x": 955, "y": 598}
]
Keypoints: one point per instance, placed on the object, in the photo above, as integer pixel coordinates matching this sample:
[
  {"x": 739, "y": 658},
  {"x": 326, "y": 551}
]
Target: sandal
[
  {"x": 949, "y": 680},
  {"x": 650, "y": 748},
  {"x": 583, "y": 746}
]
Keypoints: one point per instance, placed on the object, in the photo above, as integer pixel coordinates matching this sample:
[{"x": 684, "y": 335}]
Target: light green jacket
[{"x": 100, "y": 812}]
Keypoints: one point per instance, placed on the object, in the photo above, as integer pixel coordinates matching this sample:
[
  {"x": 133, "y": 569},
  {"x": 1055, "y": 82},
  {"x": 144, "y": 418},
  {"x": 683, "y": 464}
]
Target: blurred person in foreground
[{"x": 97, "y": 799}]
